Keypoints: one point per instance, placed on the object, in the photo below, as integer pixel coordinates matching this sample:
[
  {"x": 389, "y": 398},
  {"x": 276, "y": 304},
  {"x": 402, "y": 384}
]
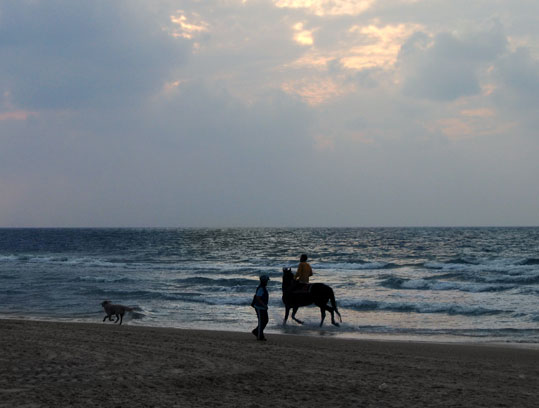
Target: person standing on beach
[
  {"x": 304, "y": 270},
  {"x": 260, "y": 303}
]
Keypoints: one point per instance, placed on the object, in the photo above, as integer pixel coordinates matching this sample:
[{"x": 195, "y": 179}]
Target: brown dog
[{"x": 116, "y": 310}]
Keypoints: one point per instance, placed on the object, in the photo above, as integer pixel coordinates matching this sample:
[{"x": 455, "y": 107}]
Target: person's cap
[{"x": 264, "y": 278}]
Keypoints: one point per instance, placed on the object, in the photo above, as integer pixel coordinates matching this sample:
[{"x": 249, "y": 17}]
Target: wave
[
  {"x": 103, "y": 279},
  {"x": 248, "y": 266},
  {"x": 8, "y": 258},
  {"x": 65, "y": 260},
  {"x": 453, "y": 264},
  {"x": 222, "y": 282},
  {"x": 235, "y": 285},
  {"x": 488, "y": 265},
  {"x": 118, "y": 295},
  {"x": 363, "y": 265},
  {"x": 141, "y": 264},
  {"x": 468, "y": 332},
  {"x": 526, "y": 279},
  {"x": 530, "y": 261},
  {"x": 513, "y": 277},
  {"x": 449, "y": 309},
  {"x": 12, "y": 292},
  {"x": 430, "y": 284},
  {"x": 461, "y": 261},
  {"x": 446, "y": 266},
  {"x": 114, "y": 261},
  {"x": 528, "y": 290}
]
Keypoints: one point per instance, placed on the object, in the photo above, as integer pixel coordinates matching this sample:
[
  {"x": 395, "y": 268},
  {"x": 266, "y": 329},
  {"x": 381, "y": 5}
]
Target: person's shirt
[
  {"x": 263, "y": 294},
  {"x": 303, "y": 273}
]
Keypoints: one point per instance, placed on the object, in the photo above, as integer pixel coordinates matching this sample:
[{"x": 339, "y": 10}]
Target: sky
[{"x": 269, "y": 113}]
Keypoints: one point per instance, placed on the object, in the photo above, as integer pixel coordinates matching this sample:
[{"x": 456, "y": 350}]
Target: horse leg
[
  {"x": 294, "y": 311},
  {"x": 331, "y": 310},
  {"x": 323, "y": 313},
  {"x": 286, "y": 311}
]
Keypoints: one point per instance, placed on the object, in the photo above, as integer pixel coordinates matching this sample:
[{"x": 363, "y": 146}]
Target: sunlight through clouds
[
  {"x": 9, "y": 112},
  {"x": 479, "y": 112},
  {"x": 328, "y": 7},
  {"x": 302, "y": 36},
  {"x": 463, "y": 128},
  {"x": 315, "y": 90},
  {"x": 373, "y": 45},
  {"x": 314, "y": 59},
  {"x": 381, "y": 45},
  {"x": 187, "y": 29},
  {"x": 16, "y": 115},
  {"x": 369, "y": 46},
  {"x": 470, "y": 123}
]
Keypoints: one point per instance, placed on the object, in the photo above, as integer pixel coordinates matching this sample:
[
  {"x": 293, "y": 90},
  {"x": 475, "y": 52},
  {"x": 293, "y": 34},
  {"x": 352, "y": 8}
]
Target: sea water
[{"x": 433, "y": 284}]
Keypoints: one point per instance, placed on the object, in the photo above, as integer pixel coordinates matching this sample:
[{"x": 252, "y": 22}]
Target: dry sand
[{"x": 48, "y": 364}]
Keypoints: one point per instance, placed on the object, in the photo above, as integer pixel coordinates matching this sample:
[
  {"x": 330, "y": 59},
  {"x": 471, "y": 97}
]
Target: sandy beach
[{"x": 50, "y": 364}]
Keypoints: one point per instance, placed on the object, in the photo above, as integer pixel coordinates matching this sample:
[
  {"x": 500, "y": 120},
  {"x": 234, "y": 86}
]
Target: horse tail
[{"x": 334, "y": 303}]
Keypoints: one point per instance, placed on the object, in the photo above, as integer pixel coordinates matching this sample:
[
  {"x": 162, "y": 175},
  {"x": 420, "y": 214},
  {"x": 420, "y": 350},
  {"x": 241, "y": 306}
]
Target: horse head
[{"x": 288, "y": 278}]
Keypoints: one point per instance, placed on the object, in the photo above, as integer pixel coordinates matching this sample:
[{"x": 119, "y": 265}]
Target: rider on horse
[
  {"x": 319, "y": 294},
  {"x": 303, "y": 273}
]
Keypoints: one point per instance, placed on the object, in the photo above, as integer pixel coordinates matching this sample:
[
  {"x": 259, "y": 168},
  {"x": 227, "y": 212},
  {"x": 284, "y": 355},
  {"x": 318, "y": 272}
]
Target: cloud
[
  {"x": 519, "y": 72},
  {"x": 446, "y": 66},
  {"x": 313, "y": 90},
  {"x": 185, "y": 27},
  {"x": 194, "y": 156},
  {"x": 328, "y": 7},
  {"x": 16, "y": 115},
  {"x": 302, "y": 36},
  {"x": 381, "y": 45},
  {"x": 288, "y": 113},
  {"x": 61, "y": 54}
]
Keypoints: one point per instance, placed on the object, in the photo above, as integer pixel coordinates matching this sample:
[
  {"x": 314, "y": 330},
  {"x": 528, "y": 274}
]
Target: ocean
[{"x": 427, "y": 284}]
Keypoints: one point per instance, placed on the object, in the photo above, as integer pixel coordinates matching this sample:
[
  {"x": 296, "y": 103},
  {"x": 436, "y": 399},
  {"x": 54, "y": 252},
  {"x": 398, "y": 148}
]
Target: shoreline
[
  {"x": 48, "y": 363},
  {"x": 303, "y": 331}
]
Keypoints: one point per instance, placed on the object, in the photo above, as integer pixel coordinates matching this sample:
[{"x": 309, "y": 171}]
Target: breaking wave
[
  {"x": 403, "y": 307},
  {"x": 430, "y": 284}
]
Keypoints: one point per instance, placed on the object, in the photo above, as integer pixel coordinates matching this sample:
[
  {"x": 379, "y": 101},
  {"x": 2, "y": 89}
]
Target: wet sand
[{"x": 50, "y": 364}]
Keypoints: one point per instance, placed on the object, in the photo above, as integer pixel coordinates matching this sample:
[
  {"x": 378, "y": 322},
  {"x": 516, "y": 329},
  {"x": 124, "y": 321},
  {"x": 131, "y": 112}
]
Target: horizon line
[{"x": 270, "y": 227}]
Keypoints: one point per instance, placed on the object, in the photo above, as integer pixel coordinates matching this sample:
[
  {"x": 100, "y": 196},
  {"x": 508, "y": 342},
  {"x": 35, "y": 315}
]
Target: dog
[{"x": 116, "y": 310}]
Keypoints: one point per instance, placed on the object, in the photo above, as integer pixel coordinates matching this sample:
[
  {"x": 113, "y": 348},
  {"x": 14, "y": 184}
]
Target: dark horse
[{"x": 317, "y": 293}]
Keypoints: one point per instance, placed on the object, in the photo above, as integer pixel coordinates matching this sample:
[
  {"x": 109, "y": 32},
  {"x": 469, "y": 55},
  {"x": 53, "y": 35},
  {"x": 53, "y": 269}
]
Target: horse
[{"x": 318, "y": 293}]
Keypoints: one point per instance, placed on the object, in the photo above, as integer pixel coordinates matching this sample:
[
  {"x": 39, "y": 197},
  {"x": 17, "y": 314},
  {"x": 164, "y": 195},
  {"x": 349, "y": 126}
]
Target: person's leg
[
  {"x": 262, "y": 323},
  {"x": 255, "y": 330}
]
